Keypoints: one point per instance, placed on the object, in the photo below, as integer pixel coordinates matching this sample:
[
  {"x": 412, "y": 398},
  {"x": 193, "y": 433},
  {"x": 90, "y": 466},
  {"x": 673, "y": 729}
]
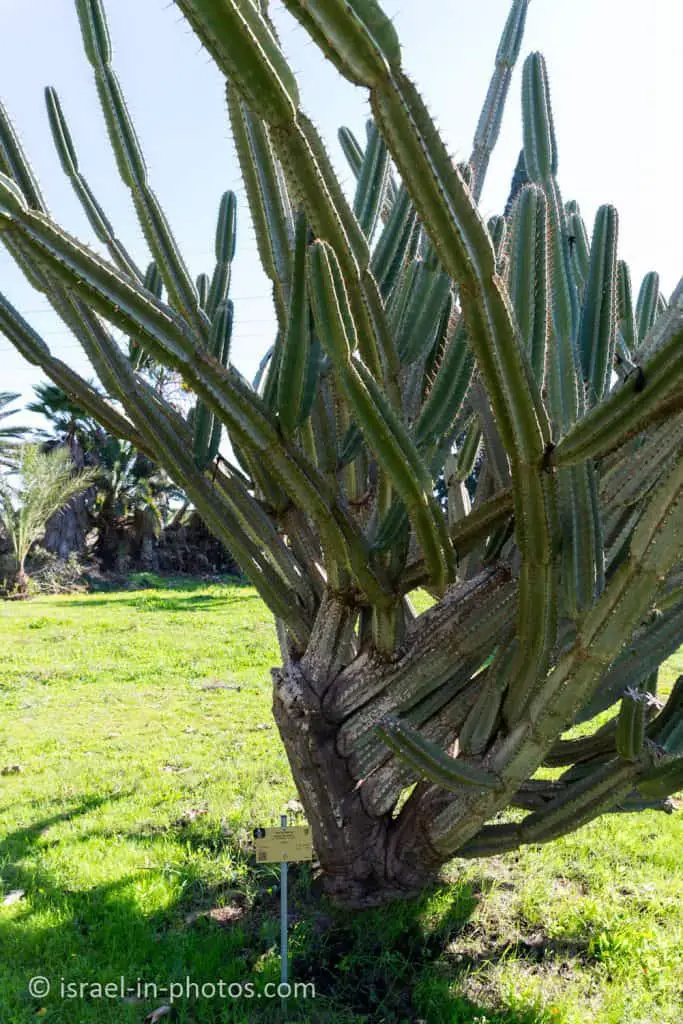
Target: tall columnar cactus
[{"x": 414, "y": 339}]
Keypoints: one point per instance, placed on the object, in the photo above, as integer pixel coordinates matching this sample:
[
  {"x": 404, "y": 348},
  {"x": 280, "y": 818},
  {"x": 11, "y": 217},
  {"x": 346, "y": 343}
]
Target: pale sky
[{"x": 616, "y": 80}]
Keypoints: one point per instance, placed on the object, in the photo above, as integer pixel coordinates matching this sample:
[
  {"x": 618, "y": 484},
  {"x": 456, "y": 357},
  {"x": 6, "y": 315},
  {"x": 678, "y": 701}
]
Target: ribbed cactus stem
[
  {"x": 646, "y": 307},
  {"x": 528, "y": 277},
  {"x": 627, "y": 319},
  {"x": 226, "y": 240},
  {"x": 132, "y": 168},
  {"x": 293, "y": 371},
  {"x": 15, "y": 166},
  {"x": 351, "y": 149},
  {"x": 490, "y": 120},
  {"x": 372, "y": 182},
  {"x": 598, "y": 326},
  {"x": 66, "y": 152}
]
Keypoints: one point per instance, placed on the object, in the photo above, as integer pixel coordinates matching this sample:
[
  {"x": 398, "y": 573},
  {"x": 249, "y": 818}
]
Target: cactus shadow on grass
[{"x": 397, "y": 963}]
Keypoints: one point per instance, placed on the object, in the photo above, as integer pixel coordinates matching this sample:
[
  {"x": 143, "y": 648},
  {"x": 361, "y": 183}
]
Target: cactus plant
[{"x": 414, "y": 339}]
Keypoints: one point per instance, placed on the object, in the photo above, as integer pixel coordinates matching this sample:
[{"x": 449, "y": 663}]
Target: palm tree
[
  {"x": 8, "y": 434},
  {"x": 133, "y": 501},
  {"x": 133, "y": 494},
  {"x": 69, "y": 423},
  {"x": 46, "y": 484}
]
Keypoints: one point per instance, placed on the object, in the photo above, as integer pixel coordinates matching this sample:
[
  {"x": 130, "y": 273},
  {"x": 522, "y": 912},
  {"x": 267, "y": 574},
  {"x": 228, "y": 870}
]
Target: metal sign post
[
  {"x": 284, "y": 952},
  {"x": 283, "y": 845}
]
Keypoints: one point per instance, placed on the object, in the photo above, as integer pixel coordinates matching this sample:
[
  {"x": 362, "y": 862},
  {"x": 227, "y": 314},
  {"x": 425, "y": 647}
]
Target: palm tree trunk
[{"x": 22, "y": 578}]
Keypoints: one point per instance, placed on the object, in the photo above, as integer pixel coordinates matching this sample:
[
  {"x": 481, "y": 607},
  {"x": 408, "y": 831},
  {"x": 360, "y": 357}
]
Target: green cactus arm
[
  {"x": 488, "y": 126},
  {"x": 202, "y": 286},
  {"x": 579, "y": 245},
  {"x": 528, "y": 273},
  {"x": 428, "y": 298},
  {"x": 351, "y": 149},
  {"x": 225, "y": 252},
  {"x": 662, "y": 780},
  {"x": 162, "y": 331},
  {"x": 469, "y": 612},
  {"x": 569, "y": 752},
  {"x": 389, "y": 526},
  {"x": 312, "y": 378},
  {"x": 482, "y": 721},
  {"x": 629, "y": 475},
  {"x": 294, "y": 358},
  {"x": 33, "y": 348},
  {"x": 392, "y": 245},
  {"x": 357, "y": 37},
  {"x": 232, "y": 32},
  {"x": 627, "y": 319},
  {"x": 99, "y": 221},
  {"x": 666, "y": 729},
  {"x": 446, "y": 207},
  {"x": 656, "y": 547},
  {"x": 15, "y": 165},
  {"x": 646, "y": 306},
  {"x": 402, "y": 294},
  {"x": 650, "y": 394},
  {"x": 578, "y": 804},
  {"x": 268, "y": 200},
  {"x": 598, "y": 325},
  {"x": 214, "y": 440},
  {"x": 207, "y": 426},
  {"x": 449, "y": 386},
  {"x": 179, "y": 285},
  {"x": 430, "y": 761},
  {"x": 372, "y": 183},
  {"x": 664, "y": 324},
  {"x": 261, "y": 371},
  {"x": 203, "y": 425},
  {"x": 496, "y": 457},
  {"x": 153, "y": 439},
  {"x": 469, "y": 450},
  {"x": 465, "y": 535},
  {"x": 311, "y": 178},
  {"x": 520, "y": 178},
  {"x": 647, "y": 650},
  {"x": 630, "y": 734},
  {"x": 495, "y": 840},
  {"x": 541, "y": 161},
  {"x": 383, "y": 431}
]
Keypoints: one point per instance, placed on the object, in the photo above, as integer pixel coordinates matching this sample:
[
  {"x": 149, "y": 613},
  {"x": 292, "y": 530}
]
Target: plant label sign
[{"x": 283, "y": 845}]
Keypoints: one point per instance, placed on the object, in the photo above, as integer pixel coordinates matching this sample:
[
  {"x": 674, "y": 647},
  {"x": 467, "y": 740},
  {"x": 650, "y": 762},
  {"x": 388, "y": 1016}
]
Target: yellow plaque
[{"x": 280, "y": 845}]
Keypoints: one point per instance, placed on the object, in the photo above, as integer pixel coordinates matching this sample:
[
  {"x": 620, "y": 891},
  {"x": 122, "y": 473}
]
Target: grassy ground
[{"x": 127, "y": 827}]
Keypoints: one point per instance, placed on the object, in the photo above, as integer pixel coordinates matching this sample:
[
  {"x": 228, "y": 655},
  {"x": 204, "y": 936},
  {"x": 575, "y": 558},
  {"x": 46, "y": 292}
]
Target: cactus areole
[{"x": 414, "y": 340}]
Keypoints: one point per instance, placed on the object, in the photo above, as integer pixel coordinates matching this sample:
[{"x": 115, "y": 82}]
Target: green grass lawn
[{"x": 128, "y": 827}]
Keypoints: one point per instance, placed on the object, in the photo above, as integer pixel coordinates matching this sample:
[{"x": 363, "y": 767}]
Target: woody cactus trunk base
[{"x": 416, "y": 343}]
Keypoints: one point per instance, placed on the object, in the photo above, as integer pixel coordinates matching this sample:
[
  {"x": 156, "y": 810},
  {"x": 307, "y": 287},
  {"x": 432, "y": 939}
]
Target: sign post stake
[
  {"x": 284, "y": 952},
  {"x": 280, "y": 846}
]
